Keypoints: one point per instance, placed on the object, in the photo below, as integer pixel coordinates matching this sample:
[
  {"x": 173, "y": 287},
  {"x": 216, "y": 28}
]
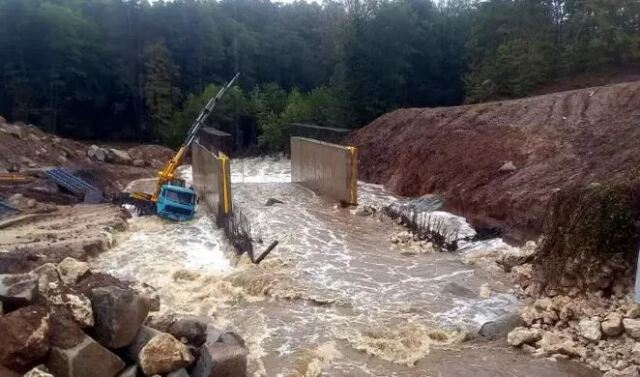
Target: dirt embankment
[
  {"x": 27, "y": 149},
  {"x": 498, "y": 163}
]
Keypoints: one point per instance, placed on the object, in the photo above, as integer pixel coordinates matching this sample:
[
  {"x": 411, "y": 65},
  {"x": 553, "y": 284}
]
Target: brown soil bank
[{"x": 498, "y": 163}]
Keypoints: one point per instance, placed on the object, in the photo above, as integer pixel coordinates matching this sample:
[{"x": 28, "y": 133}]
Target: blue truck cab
[{"x": 176, "y": 202}]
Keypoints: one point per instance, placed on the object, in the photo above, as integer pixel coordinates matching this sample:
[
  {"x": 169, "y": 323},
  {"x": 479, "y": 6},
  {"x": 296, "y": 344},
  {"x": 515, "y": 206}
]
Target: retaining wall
[
  {"x": 326, "y": 134},
  {"x": 329, "y": 169},
  {"x": 212, "y": 179},
  {"x": 215, "y": 140}
]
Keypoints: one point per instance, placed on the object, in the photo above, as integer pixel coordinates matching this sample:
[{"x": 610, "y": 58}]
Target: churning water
[{"x": 335, "y": 297}]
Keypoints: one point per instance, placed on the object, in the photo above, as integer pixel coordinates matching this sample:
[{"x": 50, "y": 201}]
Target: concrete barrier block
[
  {"x": 119, "y": 314},
  {"x": 87, "y": 358}
]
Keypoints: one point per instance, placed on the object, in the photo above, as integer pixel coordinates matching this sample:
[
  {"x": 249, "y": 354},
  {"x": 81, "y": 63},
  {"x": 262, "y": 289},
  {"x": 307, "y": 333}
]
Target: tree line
[{"x": 139, "y": 70}]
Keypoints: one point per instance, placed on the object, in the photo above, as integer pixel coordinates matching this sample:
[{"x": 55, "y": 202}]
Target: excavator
[{"x": 171, "y": 199}]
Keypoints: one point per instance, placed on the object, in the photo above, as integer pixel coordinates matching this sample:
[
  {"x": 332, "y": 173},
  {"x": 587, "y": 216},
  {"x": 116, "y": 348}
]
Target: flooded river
[{"x": 336, "y": 297}]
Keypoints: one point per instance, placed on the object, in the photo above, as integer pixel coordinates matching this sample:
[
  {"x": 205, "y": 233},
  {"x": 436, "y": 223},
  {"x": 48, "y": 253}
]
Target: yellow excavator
[{"x": 171, "y": 199}]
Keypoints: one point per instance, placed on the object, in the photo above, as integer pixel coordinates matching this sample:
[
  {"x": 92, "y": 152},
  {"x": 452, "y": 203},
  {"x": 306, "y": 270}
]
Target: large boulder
[
  {"x": 226, "y": 357},
  {"x": 101, "y": 154},
  {"x": 632, "y": 327},
  {"x": 513, "y": 256},
  {"x": 118, "y": 156},
  {"x": 590, "y": 329},
  {"x": 78, "y": 307},
  {"x": 522, "y": 335},
  {"x": 118, "y": 313},
  {"x": 18, "y": 289},
  {"x": 25, "y": 337},
  {"x": 164, "y": 354},
  {"x": 612, "y": 324},
  {"x": 48, "y": 277},
  {"x": 144, "y": 335},
  {"x": 85, "y": 358},
  {"x": 71, "y": 270},
  {"x": 190, "y": 329}
]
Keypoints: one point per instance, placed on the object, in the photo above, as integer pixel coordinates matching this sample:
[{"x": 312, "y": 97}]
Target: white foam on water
[{"x": 332, "y": 270}]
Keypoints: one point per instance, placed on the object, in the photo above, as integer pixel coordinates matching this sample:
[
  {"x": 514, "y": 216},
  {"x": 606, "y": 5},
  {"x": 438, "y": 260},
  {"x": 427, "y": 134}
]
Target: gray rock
[
  {"x": 633, "y": 312},
  {"x": 213, "y": 334},
  {"x": 18, "y": 289},
  {"x": 87, "y": 358},
  {"x": 101, "y": 154},
  {"x": 631, "y": 371},
  {"x": 635, "y": 353},
  {"x": 508, "y": 166},
  {"x": 515, "y": 257},
  {"x": 553, "y": 344},
  {"x": 193, "y": 329},
  {"x": 79, "y": 306},
  {"x": 72, "y": 270},
  {"x": 151, "y": 294},
  {"x": 612, "y": 324},
  {"x": 590, "y": 329},
  {"x": 48, "y": 277},
  {"x": 164, "y": 354},
  {"x": 632, "y": 327},
  {"x": 118, "y": 313},
  {"x": 15, "y": 130},
  {"x": 227, "y": 357},
  {"x": 118, "y": 156},
  {"x": 501, "y": 326},
  {"x": 522, "y": 335},
  {"x": 91, "y": 152},
  {"x": 139, "y": 163}
]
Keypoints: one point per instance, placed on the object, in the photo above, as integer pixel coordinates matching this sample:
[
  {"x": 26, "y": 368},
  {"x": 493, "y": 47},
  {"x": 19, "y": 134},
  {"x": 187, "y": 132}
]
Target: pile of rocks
[
  {"x": 410, "y": 243},
  {"x": 601, "y": 330},
  {"x": 63, "y": 320},
  {"x": 114, "y": 156}
]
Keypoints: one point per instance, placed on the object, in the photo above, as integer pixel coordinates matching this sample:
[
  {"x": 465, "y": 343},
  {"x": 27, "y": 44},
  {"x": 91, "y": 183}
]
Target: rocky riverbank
[
  {"x": 59, "y": 318},
  {"x": 64, "y": 320}
]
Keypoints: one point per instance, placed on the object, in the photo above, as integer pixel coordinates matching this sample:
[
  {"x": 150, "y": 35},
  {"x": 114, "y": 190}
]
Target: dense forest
[{"x": 140, "y": 70}]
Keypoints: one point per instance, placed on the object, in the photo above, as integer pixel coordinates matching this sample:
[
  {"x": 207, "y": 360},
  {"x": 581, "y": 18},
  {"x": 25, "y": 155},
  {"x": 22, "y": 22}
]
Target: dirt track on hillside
[{"x": 554, "y": 141}]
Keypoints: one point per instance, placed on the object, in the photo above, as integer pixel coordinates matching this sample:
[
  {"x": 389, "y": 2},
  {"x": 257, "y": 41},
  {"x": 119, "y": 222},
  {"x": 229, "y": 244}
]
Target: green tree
[{"x": 161, "y": 96}]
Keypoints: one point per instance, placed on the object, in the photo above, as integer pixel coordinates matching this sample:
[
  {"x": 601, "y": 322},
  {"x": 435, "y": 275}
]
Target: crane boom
[{"x": 168, "y": 171}]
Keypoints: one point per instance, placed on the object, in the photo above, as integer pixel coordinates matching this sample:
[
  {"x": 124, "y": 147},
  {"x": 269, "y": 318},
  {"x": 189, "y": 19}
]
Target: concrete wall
[
  {"x": 329, "y": 169},
  {"x": 211, "y": 179},
  {"x": 326, "y": 134},
  {"x": 215, "y": 140}
]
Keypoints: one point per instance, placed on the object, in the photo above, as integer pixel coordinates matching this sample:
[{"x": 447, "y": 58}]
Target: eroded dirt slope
[
  {"x": 26, "y": 148},
  {"x": 498, "y": 163}
]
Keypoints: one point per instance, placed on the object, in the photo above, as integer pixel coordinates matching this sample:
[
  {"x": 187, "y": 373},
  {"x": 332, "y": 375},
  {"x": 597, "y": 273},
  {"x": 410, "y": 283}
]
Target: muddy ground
[
  {"x": 498, "y": 163},
  {"x": 27, "y": 149}
]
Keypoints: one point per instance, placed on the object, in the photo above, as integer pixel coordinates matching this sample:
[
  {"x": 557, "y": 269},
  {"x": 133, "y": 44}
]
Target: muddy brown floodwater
[{"x": 336, "y": 297}]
